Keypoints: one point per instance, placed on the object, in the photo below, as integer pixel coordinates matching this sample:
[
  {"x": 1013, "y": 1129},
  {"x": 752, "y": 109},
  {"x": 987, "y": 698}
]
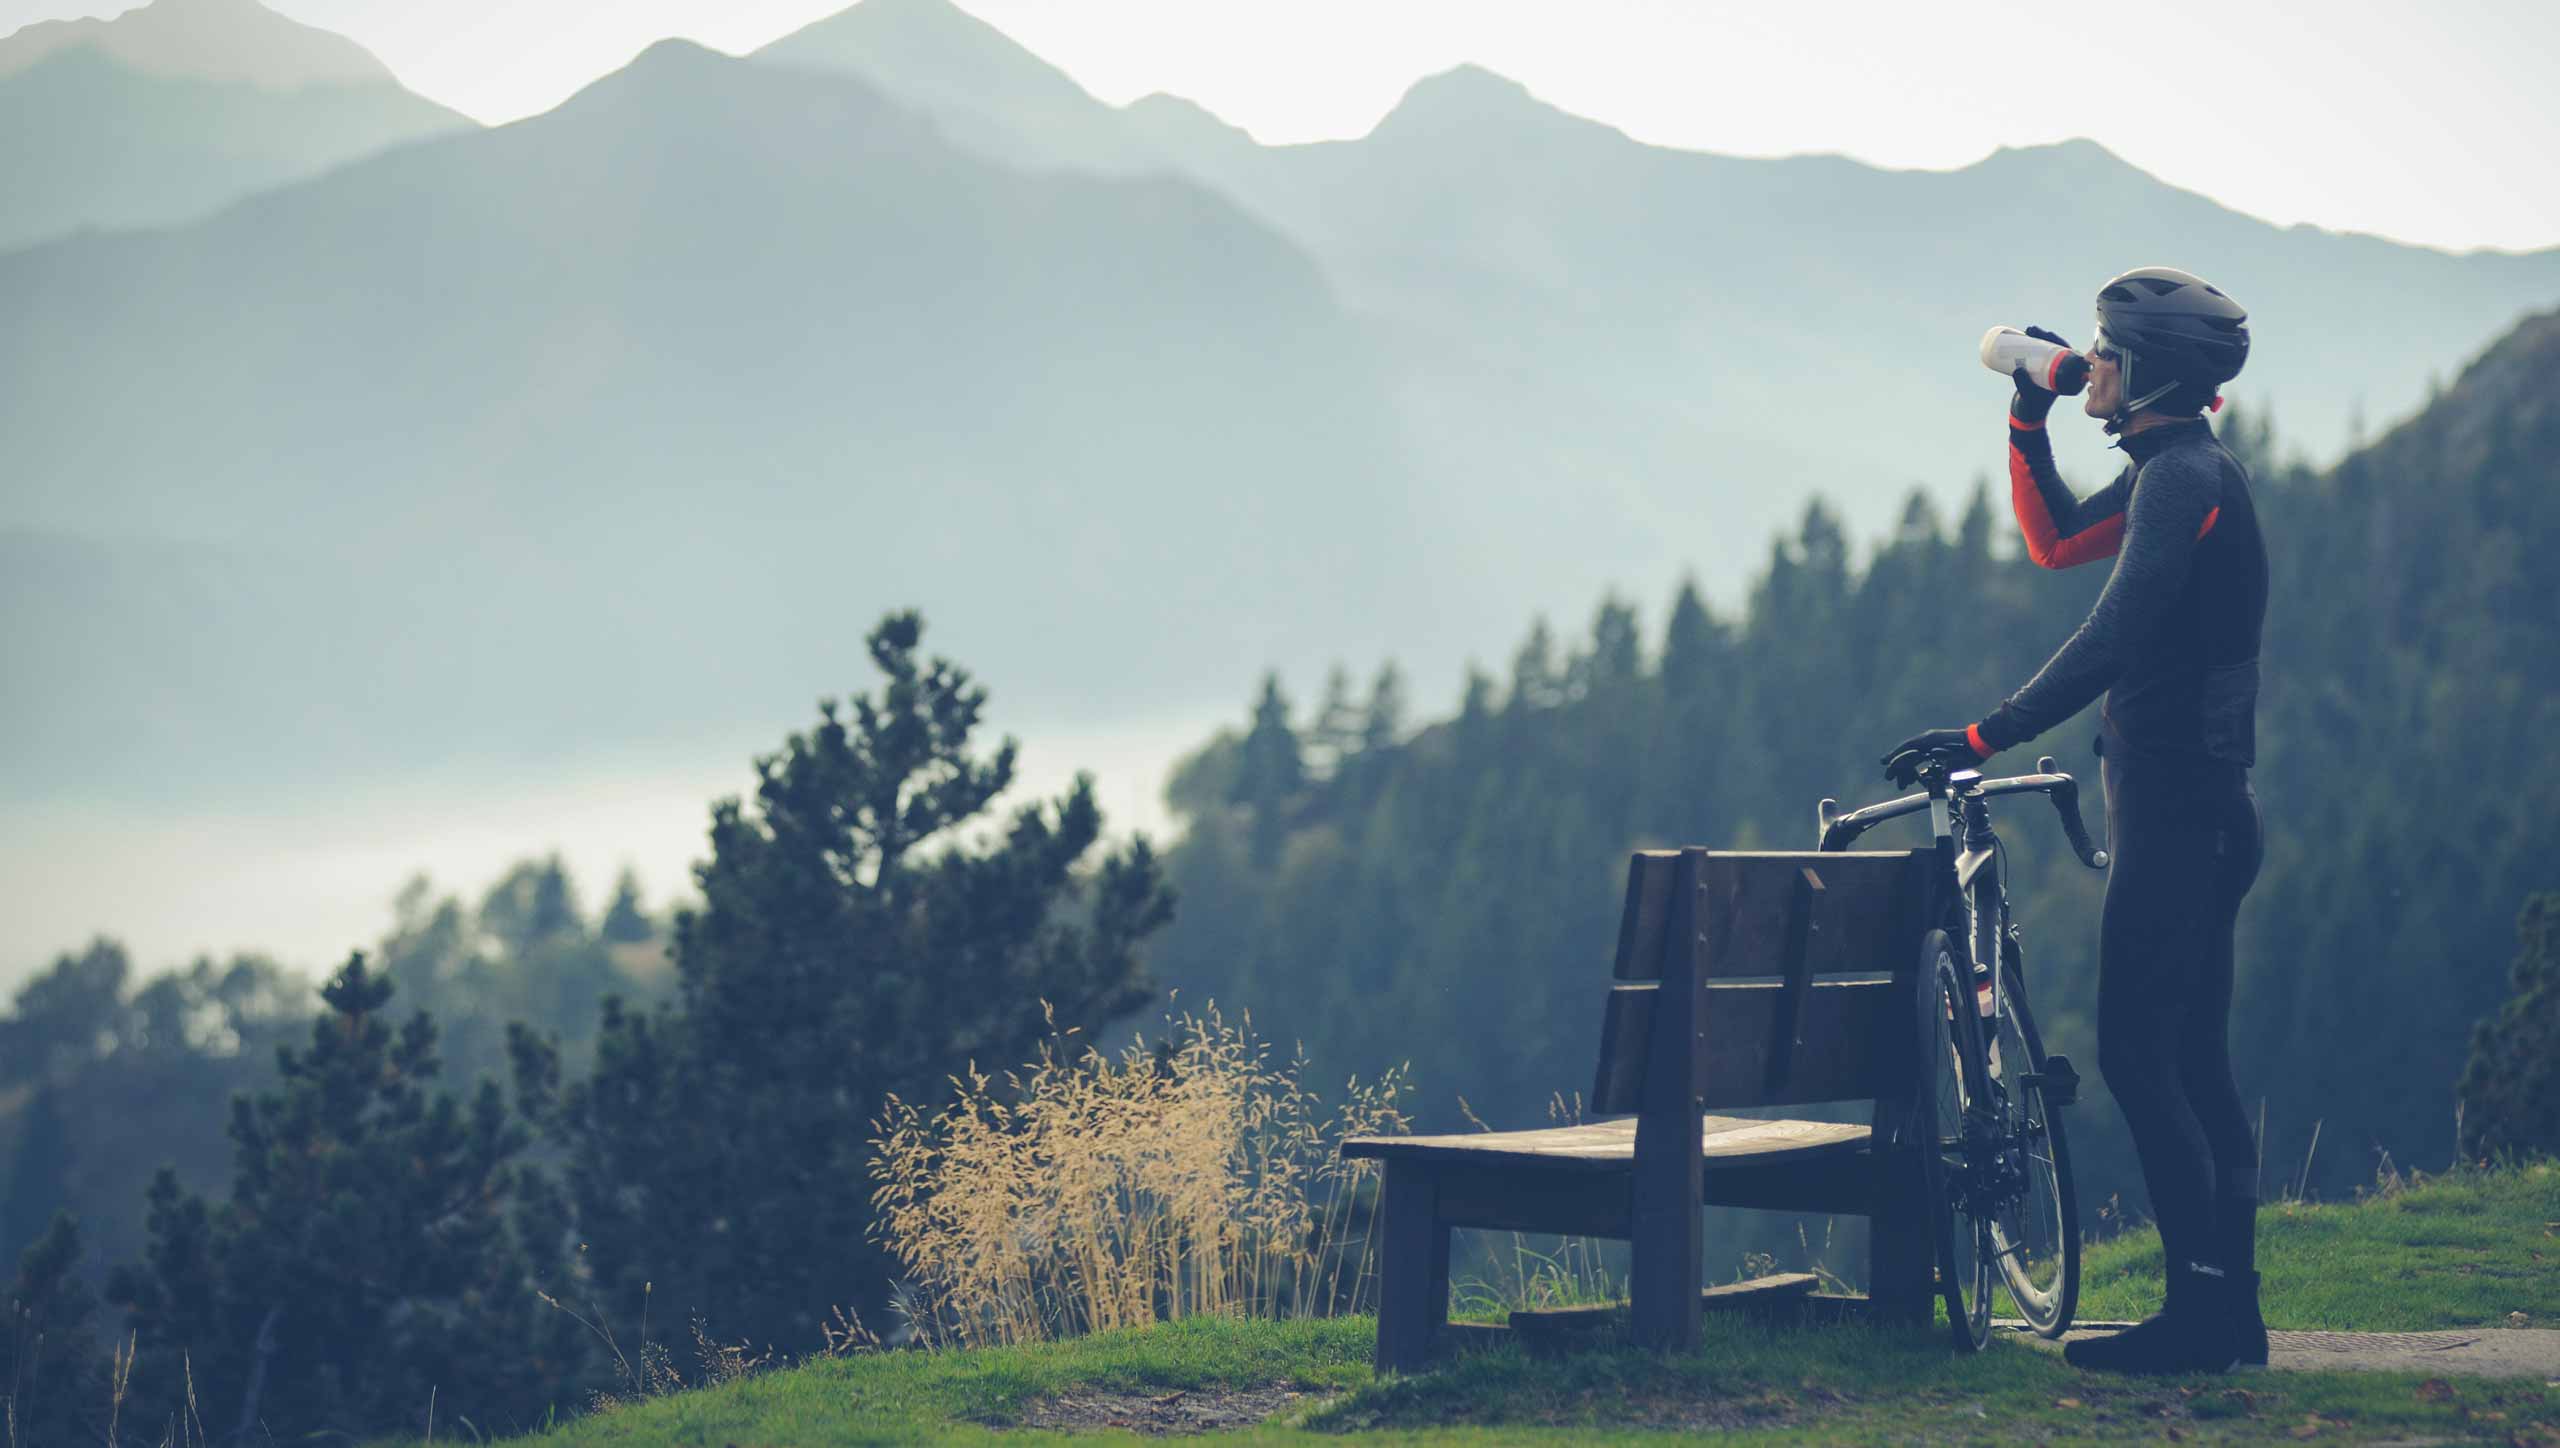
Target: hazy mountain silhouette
[
  {"x": 168, "y": 111},
  {"x": 633, "y": 416},
  {"x": 985, "y": 91},
  {"x": 220, "y": 40},
  {"x": 628, "y": 418},
  {"x": 1673, "y": 348}
]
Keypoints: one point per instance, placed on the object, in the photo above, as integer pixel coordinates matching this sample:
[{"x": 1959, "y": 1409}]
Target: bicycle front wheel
[
  {"x": 1952, "y": 1118},
  {"x": 2035, "y": 1234}
]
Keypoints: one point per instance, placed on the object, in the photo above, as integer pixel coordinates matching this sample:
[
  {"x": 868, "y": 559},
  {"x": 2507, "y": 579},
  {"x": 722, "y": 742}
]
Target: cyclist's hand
[
  {"x": 2034, "y": 399},
  {"x": 1951, "y": 747}
]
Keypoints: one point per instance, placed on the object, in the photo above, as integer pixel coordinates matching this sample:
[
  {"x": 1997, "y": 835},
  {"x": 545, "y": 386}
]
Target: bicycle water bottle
[{"x": 2055, "y": 369}]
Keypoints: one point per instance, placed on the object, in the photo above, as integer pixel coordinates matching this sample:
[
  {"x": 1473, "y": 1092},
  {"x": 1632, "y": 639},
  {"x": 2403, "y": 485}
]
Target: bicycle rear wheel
[
  {"x": 2035, "y": 1235},
  {"x": 1949, "y": 1115}
]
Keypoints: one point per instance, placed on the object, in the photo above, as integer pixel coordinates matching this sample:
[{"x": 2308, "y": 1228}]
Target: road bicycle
[{"x": 1993, "y": 1156}]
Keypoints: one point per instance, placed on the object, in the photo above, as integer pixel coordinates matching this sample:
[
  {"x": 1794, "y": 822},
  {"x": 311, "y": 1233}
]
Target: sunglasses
[{"x": 2103, "y": 348}]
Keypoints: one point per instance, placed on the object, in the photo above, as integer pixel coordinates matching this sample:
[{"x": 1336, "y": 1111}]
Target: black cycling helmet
[{"x": 2175, "y": 332}]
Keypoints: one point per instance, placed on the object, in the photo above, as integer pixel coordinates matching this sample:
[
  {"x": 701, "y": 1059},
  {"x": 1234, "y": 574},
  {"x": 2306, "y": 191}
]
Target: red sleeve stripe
[
  {"x": 2045, "y": 544},
  {"x": 2023, "y": 425},
  {"x": 1973, "y": 736},
  {"x": 2209, "y": 520}
]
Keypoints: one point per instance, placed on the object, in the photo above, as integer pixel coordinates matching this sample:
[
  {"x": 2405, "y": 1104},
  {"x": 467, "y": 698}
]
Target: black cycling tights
[{"x": 2187, "y": 847}]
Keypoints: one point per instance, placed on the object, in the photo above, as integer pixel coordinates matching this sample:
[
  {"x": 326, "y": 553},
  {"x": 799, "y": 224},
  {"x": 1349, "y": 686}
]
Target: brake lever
[{"x": 2066, "y": 803}]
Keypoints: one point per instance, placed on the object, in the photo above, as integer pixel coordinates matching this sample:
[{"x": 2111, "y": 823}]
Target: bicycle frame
[
  {"x": 1969, "y": 851},
  {"x": 1962, "y": 796}
]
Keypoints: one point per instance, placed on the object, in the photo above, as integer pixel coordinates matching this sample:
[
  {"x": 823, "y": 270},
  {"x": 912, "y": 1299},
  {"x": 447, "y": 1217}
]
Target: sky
[{"x": 2428, "y": 124}]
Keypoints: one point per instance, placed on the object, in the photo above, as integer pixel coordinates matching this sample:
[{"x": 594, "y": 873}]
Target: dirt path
[{"x": 2488, "y": 1352}]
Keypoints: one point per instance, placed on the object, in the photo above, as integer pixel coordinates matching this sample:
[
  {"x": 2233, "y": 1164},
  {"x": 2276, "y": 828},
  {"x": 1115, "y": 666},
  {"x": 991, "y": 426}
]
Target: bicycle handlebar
[{"x": 1839, "y": 831}]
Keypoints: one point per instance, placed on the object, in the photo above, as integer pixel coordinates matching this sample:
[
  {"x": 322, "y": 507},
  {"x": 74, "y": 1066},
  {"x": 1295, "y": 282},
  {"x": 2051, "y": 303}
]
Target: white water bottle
[{"x": 2055, "y": 369}]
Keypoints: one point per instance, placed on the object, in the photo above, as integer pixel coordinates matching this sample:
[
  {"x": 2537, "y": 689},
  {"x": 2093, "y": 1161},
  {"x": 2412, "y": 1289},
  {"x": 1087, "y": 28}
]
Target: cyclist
[{"x": 2173, "y": 640}]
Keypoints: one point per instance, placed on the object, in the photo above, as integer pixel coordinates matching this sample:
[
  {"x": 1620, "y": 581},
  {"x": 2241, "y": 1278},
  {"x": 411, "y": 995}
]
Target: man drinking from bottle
[{"x": 2173, "y": 644}]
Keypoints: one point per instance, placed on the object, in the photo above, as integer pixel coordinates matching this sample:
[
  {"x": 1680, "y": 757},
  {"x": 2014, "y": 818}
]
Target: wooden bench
[{"x": 1744, "y": 980}]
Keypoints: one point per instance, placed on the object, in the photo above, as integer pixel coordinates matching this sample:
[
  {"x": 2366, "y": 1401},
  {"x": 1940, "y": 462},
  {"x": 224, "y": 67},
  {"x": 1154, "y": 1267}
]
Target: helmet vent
[
  {"x": 2161, "y": 286},
  {"x": 2116, "y": 294}
]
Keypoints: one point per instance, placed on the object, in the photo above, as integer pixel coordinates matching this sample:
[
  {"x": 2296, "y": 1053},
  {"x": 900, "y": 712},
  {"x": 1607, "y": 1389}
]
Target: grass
[
  {"x": 2452, "y": 1251},
  {"x": 2460, "y": 1251}
]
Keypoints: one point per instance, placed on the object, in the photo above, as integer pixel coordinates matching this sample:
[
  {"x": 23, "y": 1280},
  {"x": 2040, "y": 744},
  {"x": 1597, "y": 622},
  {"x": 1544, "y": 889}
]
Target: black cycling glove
[
  {"x": 1955, "y": 748},
  {"x": 2034, "y": 399}
]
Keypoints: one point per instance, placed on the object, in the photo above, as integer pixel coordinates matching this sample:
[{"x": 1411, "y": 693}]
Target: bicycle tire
[
  {"x": 2047, "y": 1308},
  {"x": 1951, "y": 1077}
]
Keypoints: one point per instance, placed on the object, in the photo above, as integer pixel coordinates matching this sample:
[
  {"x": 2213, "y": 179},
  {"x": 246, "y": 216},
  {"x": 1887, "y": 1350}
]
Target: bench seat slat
[{"x": 1610, "y": 1146}]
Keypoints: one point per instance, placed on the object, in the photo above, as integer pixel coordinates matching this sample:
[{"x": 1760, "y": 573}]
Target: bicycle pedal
[{"x": 2058, "y": 1081}]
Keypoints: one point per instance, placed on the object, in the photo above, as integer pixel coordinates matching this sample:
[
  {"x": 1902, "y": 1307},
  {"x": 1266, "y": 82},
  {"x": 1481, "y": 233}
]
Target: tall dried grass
[{"x": 1088, "y": 1191}]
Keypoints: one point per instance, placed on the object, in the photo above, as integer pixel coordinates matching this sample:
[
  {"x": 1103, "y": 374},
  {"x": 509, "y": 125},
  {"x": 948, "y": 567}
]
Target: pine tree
[
  {"x": 852, "y": 943},
  {"x": 625, "y": 921},
  {"x": 2510, "y": 1090},
  {"x": 39, "y": 1180},
  {"x": 1382, "y": 726},
  {"x": 365, "y": 1257},
  {"x": 1273, "y": 771},
  {"x": 53, "y": 1380},
  {"x": 67, "y": 1016},
  {"x": 533, "y": 905},
  {"x": 1535, "y": 681},
  {"x": 1335, "y": 736},
  {"x": 1616, "y": 660}
]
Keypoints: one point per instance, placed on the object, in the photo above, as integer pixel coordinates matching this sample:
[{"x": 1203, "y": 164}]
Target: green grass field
[{"x": 2465, "y": 1251}]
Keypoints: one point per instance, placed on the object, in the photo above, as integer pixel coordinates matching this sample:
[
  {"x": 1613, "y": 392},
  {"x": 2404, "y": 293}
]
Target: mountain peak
[
  {"x": 926, "y": 46},
  {"x": 2077, "y": 153},
  {"x": 676, "y": 53},
  {"x": 218, "y": 40},
  {"x": 1471, "y": 98}
]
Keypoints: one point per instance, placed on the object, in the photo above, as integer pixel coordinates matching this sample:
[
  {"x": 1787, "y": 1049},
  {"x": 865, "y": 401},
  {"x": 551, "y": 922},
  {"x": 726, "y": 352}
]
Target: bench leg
[
  {"x": 1902, "y": 1265},
  {"x": 1413, "y": 1268},
  {"x": 1667, "y": 1262}
]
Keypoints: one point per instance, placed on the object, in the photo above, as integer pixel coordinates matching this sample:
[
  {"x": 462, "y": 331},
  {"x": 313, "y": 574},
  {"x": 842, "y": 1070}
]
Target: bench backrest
[{"x": 1778, "y": 971}]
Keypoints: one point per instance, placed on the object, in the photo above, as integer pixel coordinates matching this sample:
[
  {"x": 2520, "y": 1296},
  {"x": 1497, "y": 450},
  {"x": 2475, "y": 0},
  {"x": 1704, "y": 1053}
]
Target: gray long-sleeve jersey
[{"x": 2173, "y": 638}]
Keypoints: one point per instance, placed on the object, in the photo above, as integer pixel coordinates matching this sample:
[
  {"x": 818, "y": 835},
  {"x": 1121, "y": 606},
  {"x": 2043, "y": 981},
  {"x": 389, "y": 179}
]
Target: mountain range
[
  {"x": 635, "y": 415},
  {"x": 1613, "y": 329},
  {"x": 171, "y": 110},
  {"x": 624, "y": 421}
]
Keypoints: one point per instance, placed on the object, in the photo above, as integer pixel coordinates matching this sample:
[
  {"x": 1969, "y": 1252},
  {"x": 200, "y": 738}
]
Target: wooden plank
[
  {"x": 1759, "y": 1293},
  {"x": 1901, "y": 1260},
  {"x": 1667, "y": 1237},
  {"x": 1822, "y": 1184},
  {"x": 1495, "y": 1198},
  {"x": 1795, "y": 967},
  {"x": 1842, "y": 1024},
  {"x": 1649, "y": 876},
  {"x": 1902, "y": 1268},
  {"x": 1617, "y": 1086},
  {"x": 1725, "y": 1143},
  {"x": 1413, "y": 1268},
  {"x": 1871, "y": 910}
]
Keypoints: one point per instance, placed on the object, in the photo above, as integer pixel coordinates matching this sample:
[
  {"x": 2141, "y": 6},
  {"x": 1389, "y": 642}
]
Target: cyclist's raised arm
[
  {"x": 2062, "y": 531},
  {"x": 2168, "y": 513}
]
